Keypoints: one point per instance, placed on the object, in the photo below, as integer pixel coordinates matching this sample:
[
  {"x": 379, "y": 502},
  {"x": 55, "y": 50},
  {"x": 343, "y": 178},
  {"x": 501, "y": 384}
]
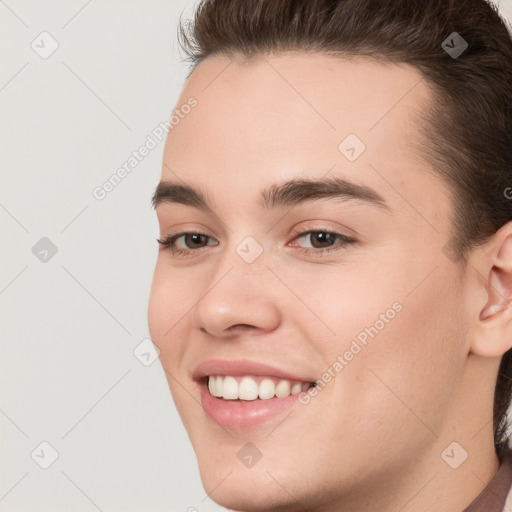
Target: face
[{"x": 306, "y": 255}]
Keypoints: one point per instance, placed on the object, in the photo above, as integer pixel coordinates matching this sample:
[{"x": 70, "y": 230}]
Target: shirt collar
[{"x": 494, "y": 496}]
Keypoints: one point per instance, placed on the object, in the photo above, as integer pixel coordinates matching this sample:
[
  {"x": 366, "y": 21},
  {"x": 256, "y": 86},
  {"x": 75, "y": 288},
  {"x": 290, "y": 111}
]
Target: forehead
[
  {"x": 277, "y": 117},
  {"x": 332, "y": 95}
]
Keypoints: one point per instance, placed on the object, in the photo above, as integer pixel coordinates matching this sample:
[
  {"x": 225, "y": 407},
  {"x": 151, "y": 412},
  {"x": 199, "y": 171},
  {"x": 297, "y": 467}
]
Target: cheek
[
  {"x": 167, "y": 308},
  {"x": 407, "y": 372},
  {"x": 159, "y": 306},
  {"x": 343, "y": 301},
  {"x": 168, "y": 305},
  {"x": 402, "y": 344}
]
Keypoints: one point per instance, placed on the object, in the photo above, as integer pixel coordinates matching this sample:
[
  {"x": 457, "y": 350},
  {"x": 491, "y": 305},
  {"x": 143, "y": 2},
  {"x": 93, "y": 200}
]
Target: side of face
[{"x": 259, "y": 125}]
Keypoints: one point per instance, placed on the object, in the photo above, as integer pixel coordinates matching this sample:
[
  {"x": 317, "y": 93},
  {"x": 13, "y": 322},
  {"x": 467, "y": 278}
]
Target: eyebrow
[{"x": 290, "y": 193}]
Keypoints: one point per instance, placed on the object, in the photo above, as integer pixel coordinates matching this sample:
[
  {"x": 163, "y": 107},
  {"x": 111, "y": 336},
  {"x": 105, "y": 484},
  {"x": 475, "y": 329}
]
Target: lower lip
[{"x": 239, "y": 414}]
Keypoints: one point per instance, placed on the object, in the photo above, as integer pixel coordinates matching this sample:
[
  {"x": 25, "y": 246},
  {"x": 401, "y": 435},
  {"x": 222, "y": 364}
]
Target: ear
[{"x": 492, "y": 336}]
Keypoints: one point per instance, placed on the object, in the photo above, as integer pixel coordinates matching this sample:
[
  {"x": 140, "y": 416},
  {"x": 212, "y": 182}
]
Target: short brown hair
[{"x": 468, "y": 126}]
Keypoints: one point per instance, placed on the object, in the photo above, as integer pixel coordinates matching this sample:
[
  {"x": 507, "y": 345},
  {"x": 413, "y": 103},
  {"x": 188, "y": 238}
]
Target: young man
[{"x": 331, "y": 298}]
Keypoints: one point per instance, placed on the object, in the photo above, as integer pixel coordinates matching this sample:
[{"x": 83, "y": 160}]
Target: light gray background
[{"x": 68, "y": 374}]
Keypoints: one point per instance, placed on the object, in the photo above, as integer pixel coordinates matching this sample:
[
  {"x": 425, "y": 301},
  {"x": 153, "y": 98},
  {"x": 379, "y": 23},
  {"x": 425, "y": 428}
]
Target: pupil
[
  {"x": 323, "y": 235},
  {"x": 196, "y": 239}
]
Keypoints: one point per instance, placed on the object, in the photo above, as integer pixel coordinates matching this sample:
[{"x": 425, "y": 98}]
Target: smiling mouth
[{"x": 249, "y": 388}]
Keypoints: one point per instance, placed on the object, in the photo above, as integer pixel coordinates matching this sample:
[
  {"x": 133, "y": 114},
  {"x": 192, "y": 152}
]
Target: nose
[{"x": 240, "y": 297}]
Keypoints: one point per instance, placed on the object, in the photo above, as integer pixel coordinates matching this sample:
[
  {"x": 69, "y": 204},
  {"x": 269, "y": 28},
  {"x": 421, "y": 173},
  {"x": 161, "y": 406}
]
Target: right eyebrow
[{"x": 172, "y": 193}]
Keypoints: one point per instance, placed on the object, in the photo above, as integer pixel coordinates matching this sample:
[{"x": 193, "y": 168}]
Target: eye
[
  {"x": 192, "y": 242},
  {"x": 323, "y": 241}
]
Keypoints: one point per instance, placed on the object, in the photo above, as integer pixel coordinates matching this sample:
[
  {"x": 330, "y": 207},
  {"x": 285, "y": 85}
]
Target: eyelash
[{"x": 168, "y": 243}]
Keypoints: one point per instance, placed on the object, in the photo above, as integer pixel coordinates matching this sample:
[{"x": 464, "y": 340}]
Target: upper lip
[{"x": 244, "y": 367}]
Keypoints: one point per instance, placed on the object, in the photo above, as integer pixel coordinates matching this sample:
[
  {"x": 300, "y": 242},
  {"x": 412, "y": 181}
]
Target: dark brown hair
[{"x": 467, "y": 127}]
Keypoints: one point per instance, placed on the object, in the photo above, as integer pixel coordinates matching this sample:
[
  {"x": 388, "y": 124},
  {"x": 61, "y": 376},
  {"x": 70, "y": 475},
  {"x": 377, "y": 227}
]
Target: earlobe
[{"x": 493, "y": 336}]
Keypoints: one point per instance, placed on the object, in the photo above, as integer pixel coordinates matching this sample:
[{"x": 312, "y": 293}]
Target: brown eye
[
  {"x": 194, "y": 240},
  {"x": 321, "y": 242},
  {"x": 320, "y": 239}
]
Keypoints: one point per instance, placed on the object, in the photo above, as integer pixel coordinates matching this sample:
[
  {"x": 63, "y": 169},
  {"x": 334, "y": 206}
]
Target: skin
[{"x": 372, "y": 439}]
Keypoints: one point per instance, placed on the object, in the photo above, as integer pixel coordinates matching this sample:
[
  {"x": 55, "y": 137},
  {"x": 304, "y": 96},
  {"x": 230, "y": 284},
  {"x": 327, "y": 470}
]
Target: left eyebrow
[
  {"x": 297, "y": 191},
  {"x": 290, "y": 193}
]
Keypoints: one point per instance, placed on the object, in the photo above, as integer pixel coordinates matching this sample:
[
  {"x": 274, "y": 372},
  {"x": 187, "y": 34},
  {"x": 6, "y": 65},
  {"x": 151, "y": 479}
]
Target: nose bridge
[
  {"x": 239, "y": 291},
  {"x": 246, "y": 257}
]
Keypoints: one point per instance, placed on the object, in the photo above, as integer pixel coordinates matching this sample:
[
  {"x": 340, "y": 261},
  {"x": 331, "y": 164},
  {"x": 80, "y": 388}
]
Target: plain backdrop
[{"x": 86, "y": 417}]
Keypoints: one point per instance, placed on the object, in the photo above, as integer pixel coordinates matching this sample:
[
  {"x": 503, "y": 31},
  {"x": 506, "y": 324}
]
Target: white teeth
[
  {"x": 211, "y": 386},
  {"x": 247, "y": 388},
  {"x": 296, "y": 388},
  {"x": 230, "y": 389},
  {"x": 266, "y": 389},
  {"x": 219, "y": 386},
  {"x": 283, "y": 389}
]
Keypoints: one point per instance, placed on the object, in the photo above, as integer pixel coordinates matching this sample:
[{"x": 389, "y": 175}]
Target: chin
[
  {"x": 255, "y": 489},
  {"x": 252, "y": 498}
]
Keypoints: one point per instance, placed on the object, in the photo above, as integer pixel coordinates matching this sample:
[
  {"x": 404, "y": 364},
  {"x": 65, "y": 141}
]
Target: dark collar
[{"x": 493, "y": 497}]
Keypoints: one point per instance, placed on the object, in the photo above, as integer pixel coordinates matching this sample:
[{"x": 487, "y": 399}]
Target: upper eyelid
[
  {"x": 306, "y": 230},
  {"x": 295, "y": 233}
]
